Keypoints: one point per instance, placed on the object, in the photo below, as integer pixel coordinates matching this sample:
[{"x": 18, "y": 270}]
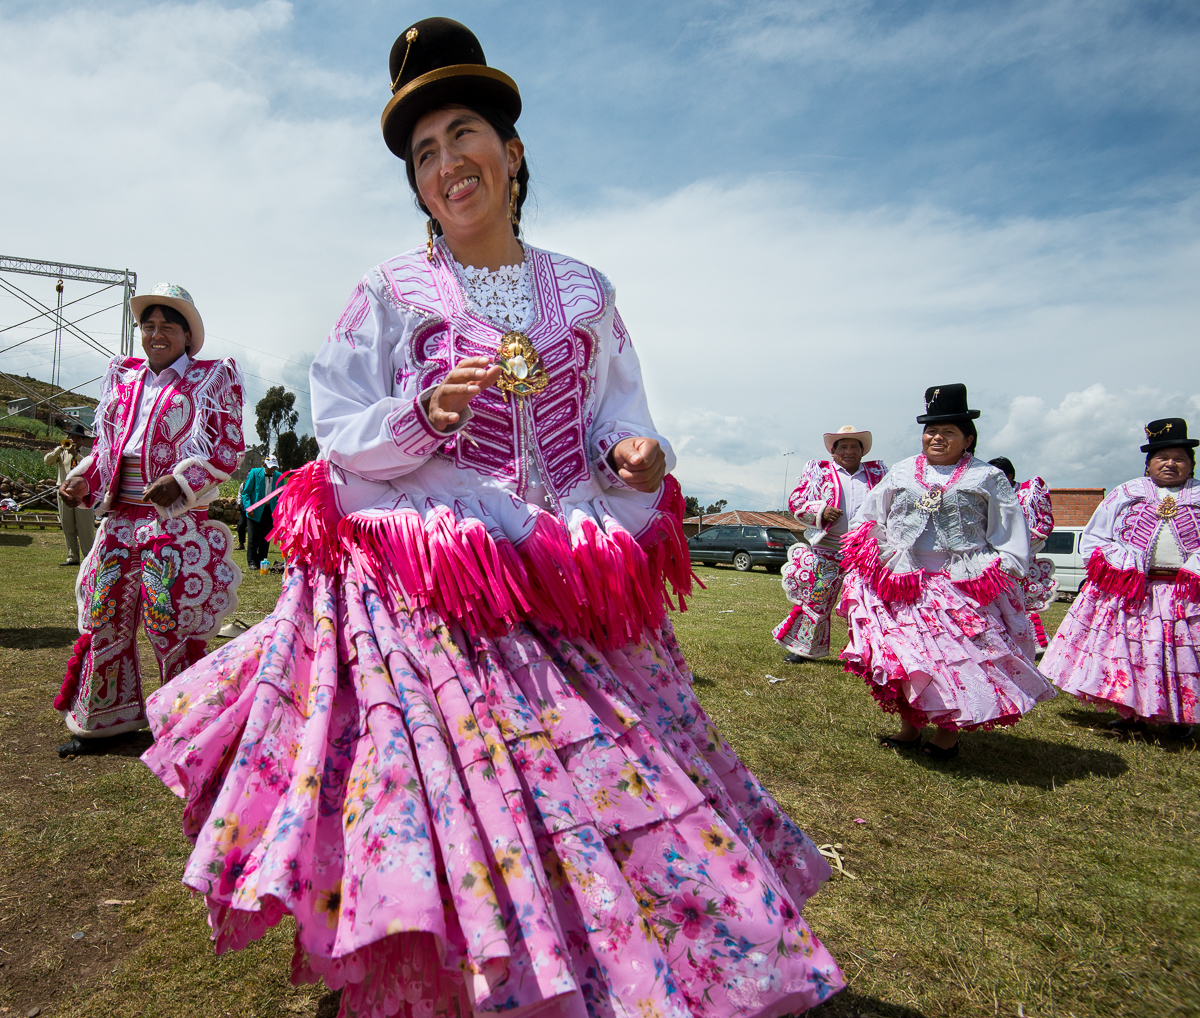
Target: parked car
[
  {"x": 743, "y": 547},
  {"x": 1062, "y": 548}
]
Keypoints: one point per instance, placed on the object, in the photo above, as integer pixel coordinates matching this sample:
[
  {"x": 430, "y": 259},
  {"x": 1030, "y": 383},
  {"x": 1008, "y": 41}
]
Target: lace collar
[{"x": 503, "y": 297}]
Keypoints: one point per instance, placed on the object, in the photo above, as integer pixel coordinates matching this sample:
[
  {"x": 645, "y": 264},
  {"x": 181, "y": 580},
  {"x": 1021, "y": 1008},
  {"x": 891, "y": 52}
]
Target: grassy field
[{"x": 1049, "y": 870}]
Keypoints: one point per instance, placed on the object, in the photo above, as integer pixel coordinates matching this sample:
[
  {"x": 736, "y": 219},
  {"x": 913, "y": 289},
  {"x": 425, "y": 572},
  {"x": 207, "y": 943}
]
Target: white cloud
[{"x": 171, "y": 139}]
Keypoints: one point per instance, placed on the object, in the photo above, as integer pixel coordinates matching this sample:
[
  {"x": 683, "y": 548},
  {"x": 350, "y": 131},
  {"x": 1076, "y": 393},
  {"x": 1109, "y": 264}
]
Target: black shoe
[
  {"x": 77, "y": 747},
  {"x": 69, "y": 563},
  {"x": 1127, "y": 726},
  {"x": 1180, "y": 732},
  {"x": 939, "y": 754},
  {"x": 798, "y": 659},
  {"x": 891, "y": 742}
]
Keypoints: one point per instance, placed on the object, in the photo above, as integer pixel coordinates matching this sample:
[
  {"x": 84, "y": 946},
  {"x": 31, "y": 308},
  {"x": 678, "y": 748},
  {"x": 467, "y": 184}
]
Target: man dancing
[
  {"x": 826, "y": 498},
  {"x": 168, "y": 432}
]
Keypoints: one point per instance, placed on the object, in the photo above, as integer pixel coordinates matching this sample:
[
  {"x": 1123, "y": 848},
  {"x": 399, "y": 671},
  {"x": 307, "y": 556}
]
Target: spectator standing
[
  {"x": 259, "y": 483},
  {"x": 241, "y": 520},
  {"x": 78, "y": 522}
]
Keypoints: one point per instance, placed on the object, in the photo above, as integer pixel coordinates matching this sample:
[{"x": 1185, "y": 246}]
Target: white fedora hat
[
  {"x": 848, "y": 431},
  {"x": 174, "y": 296}
]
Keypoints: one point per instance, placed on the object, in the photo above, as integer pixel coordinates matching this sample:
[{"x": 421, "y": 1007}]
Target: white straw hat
[
  {"x": 848, "y": 431},
  {"x": 173, "y": 296}
]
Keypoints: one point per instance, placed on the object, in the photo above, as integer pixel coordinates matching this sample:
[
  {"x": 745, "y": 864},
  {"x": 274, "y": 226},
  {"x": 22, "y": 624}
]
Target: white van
[{"x": 1062, "y": 548}]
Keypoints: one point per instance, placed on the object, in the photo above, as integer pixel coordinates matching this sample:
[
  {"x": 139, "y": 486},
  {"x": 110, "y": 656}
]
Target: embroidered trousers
[
  {"x": 812, "y": 580},
  {"x": 175, "y": 578}
]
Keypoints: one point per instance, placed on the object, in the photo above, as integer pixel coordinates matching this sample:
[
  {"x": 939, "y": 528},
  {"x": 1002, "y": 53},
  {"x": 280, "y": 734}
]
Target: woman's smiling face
[{"x": 463, "y": 169}]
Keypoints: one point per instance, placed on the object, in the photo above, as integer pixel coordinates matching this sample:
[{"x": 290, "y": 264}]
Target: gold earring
[
  {"x": 514, "y": 192},
  {"x": 429, "y": 243}
]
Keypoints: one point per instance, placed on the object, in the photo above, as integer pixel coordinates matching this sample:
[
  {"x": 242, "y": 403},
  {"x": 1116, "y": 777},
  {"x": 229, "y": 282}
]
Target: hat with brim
[
  {"x": 439, "y": 62},
  {"x": 173, "y": 296},
  {"x": 848, "y": 431},
  {"x": 1168, "y": 433},
  {"x": 946, "y": 404}
]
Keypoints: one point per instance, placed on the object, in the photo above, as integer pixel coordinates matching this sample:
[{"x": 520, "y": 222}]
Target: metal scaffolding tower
[{"x": 123, "y": 278}]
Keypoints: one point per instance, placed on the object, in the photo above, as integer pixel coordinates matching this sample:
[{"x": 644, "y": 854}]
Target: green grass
[
  {"x": 31, "y": 426},
  {"x": 25, "y": 464},
  {"x": 1049, "y": 869}
]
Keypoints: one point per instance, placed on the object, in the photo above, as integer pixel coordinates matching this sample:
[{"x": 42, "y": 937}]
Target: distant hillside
[{"x": 16, "y": 386}]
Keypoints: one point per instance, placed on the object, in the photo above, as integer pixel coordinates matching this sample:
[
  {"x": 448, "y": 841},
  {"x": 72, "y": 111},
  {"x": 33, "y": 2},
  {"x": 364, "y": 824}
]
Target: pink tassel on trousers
[
  {"x": 70, "y": 683},
  {"x": 1039, "y": 630},
  {"x": 1187, "y": 586}
]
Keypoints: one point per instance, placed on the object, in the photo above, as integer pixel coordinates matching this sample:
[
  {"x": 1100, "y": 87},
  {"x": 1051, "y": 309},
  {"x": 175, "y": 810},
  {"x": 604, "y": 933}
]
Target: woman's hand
[
  {"x": 73, "y": 491},
  {"x": 639, "y": 462},
  {"x": 164, "y": 492},
  {"x": 467, "y": 379}
]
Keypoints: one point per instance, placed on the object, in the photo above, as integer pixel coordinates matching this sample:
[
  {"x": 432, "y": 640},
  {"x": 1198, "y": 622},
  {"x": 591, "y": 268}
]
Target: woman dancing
[
  {"x": 464, "y": 750},
  {"x": 1131, "y": 640},
  {"x": 931, "y": 597}
]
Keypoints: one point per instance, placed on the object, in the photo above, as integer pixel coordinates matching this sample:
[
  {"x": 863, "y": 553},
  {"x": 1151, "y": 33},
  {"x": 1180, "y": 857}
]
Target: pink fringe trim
[
  {"x": 70, "y": 683},
  {"x": 1187, "y": 586},
  {"x": 987, "y": 586},
  {"x": 786, "y": 624},
  {"x": 1129, "y": 584},
  {"x": 861, "y": 551},
  {"x": 608, "y": 587},
  {"x": 306, "y": 518},
  {"x": 1038, "y": 629}
]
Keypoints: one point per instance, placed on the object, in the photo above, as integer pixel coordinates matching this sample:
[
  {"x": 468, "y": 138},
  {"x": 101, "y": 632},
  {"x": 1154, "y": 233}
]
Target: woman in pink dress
[
  {"x": 932, "y": 599},
  {"x": 464, "y": 750},
  {"x": 1132, "y": 638}
]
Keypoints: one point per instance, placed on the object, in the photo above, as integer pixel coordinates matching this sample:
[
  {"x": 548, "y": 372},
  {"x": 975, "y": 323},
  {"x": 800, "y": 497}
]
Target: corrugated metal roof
[{"x": 735, "y": 517}]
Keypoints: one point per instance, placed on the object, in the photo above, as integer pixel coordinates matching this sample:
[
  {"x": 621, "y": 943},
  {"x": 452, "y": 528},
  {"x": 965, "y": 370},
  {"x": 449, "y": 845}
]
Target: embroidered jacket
[
  {"x": 1121, "y": 535},
  {"x": 819, "y": 487},
  {"x": 976, "y": 521},
  {"x": 445, "y": 514},
  {"x": 1034, "y": 497},
  {"x": 194, "y": 432}
]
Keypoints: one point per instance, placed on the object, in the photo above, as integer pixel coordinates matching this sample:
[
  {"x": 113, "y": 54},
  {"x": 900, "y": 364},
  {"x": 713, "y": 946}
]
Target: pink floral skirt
[
  {"x": 945, "y": 659},
  {"x": 1143, "y": 660},
  {"x": 472, "y": 825}
]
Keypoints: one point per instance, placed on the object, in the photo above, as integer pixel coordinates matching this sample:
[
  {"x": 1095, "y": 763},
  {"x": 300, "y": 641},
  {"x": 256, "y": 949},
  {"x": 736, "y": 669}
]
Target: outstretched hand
[
  {"x": 831, "y": 515},
  {"x": 466, "y": 380},
  {"x": 639, "y": 462}
]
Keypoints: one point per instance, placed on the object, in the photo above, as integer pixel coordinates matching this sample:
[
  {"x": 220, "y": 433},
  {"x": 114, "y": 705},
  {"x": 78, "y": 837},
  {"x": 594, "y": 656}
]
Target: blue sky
[{"x": 810, "y": 210}]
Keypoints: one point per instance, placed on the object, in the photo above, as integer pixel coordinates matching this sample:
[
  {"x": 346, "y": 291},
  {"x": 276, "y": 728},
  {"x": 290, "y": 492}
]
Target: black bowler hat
[
  {"x": 946, "y": 404},
  {"x": 434, "y": 63},
  {"x": 1169, "y": 432}
]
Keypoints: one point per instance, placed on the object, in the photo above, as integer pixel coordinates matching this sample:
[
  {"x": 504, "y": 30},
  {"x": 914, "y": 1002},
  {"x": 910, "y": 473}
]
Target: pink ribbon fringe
[
  {"x": 70, "y": 681},
  {"x": 1187, "y": 586},
  {"x": 860, "y": 551},
  {"x": 1129, "y": 584},
  {"x": 607, "y": 587}
]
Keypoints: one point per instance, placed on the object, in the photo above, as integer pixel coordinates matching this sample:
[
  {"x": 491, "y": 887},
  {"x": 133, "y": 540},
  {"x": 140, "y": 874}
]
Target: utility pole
[
  {"x": 786, "y": 464},
  {"x": 56, "y": 362}
]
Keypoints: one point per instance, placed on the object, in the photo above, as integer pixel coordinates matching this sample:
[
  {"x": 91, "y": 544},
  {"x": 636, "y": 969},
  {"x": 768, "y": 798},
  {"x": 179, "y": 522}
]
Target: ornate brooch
[
  {"x": 931, "y": 501},
  {"x": 1167, "y": 508},
  {"x": 522, "y": 372}
]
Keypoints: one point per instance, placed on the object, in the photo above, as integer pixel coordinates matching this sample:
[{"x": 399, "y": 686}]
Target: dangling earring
[
  {"x": 429, "y": 243},
  {"x": 514, "y": 192}
]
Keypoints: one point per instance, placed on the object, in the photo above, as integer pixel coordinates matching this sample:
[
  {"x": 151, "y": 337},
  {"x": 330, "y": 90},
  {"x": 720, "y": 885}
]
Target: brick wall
[{"x": 1073, "y": 507}]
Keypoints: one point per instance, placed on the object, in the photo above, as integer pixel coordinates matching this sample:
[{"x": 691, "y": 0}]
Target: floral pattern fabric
[
  {"x": 1142, "y": 659},
  {"x": 945, "y": 659},
  {"x": 466, "y": 824}
]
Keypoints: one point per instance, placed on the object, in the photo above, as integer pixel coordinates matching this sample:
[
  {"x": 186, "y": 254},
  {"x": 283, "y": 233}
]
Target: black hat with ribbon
[
  {"x": 438, "y": 62},
  {"x": 1168, "y": 433},
  {"x": 946, "y": 404}
]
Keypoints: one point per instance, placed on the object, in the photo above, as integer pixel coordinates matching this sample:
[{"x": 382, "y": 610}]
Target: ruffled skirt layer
[
  {"x": 473, "y": 825},
  {"x": 944, "y": 659},
  {"x": 1143, "y": 660}
]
